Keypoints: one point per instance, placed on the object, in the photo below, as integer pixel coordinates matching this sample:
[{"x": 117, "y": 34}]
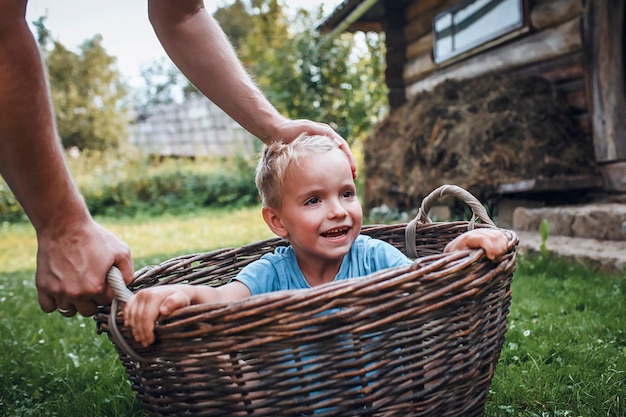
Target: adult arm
[
  {"x": 74, "y": 252},
  {"x": 201, "y": 50}
]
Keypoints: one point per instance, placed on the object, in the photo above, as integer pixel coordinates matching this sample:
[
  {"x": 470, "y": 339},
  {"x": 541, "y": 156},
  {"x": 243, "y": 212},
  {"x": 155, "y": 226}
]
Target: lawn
[{"x": 564, "y": 355}]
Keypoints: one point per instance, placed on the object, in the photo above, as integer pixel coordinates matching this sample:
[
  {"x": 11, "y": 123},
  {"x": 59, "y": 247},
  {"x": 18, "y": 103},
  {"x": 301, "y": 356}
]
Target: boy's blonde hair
[{"x": 278, "y": 156}]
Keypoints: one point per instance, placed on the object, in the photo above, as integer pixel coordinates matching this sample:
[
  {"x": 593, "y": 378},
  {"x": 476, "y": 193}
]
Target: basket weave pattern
[{"x": 421, "y": 340}]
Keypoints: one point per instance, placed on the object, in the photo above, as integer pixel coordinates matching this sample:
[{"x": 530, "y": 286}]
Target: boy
[{"x": 309, "y": 198}]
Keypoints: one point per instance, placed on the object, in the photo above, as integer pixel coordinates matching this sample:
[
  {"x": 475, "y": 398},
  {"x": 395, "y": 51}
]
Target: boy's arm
[
  {"x": 144, "y": 308},
  {"x": 492, "y": 241}
]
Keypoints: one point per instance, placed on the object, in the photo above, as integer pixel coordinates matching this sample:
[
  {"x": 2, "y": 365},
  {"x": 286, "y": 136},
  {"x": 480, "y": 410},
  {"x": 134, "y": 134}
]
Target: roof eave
[{"x": 349, "y": 16}]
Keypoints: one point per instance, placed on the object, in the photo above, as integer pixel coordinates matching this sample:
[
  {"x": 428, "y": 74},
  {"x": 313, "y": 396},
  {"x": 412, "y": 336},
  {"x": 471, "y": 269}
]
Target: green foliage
[
  {"x": 163, "y": 84},
  {"x": 122, "y": 185},
  {"x": 340, "y": 82},
  {"x": 235, "y": 20},
  {"x": 172, "y": 192},
  {"x": 88, "y": 97},
  {"x": 43, "y": 33},
  {"x": 87, "y": 93},
  {"x": 544, "y": 232},
  {"x": 144, "y": 186},
  {"x": 10, "y": 209}
]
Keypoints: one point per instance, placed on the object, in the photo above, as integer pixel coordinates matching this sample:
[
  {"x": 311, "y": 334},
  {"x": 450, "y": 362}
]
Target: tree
[
  {"x": 235, "y": 21},
  {"x": 340, "y": 82},
  {"x": 163, "y": 81},
  {"x": 86, "y": 93},
  {"x": 163, "y": 84}
]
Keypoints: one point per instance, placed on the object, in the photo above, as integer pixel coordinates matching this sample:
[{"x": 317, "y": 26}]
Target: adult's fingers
[
  {"x": 86, "y": 307},
  {"x": 67, "y": 312},
  {"x": 46, "y": 302},
  {"x": 343, "y": 145},
  {"x": 125, "y": 265}
]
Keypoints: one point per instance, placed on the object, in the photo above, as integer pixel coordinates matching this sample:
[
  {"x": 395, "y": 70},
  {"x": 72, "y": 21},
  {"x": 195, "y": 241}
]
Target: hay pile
[{"x": 475, "y": 134}]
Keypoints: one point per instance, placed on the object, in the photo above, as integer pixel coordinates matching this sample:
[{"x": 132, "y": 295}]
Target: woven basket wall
[{"x": 421, "y": 340}]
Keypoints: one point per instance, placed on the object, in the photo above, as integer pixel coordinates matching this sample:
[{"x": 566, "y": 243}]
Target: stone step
[
  {"x": 607, "y": 255},
  {"x": 602, "y": 221}
]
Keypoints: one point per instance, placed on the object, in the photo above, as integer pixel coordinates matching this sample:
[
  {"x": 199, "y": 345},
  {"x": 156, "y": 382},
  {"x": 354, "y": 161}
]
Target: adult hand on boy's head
[{"x": 289, "y": 129}]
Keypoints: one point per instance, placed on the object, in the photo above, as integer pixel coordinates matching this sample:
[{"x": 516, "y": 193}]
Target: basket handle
[
  {"x": 121, "y": 294},
  {"x": 478, "y": 212}
]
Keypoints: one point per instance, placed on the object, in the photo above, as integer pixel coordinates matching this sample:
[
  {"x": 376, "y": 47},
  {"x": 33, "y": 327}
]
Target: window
[{"x": 474, "y": 23}]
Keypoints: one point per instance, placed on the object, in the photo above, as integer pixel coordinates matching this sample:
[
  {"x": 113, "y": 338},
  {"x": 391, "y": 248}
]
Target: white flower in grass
[
  {"x": 74, "y": 358},
  {"x": 526, "y": 333}
]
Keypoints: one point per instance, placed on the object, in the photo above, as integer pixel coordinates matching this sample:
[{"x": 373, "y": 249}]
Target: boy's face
[{"x": 320, "y": 213}]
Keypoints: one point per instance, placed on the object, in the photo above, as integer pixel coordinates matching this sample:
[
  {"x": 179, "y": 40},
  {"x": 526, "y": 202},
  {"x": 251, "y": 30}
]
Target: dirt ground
[{"x": 475, "y": 134}]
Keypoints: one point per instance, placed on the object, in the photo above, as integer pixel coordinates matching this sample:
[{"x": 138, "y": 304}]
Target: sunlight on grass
[
  {"x": 94, "y": 165},
  {"x": 18, "y": 247},
  {"x": 201, "y": 231},
  {"x": 151, "y": 238}
]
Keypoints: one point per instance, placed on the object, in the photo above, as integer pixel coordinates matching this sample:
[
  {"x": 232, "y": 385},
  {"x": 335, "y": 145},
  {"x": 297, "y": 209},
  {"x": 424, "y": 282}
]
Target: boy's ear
[{"x": 274, "y": 222}]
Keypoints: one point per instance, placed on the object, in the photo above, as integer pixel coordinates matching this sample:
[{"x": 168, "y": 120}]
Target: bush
[
  {"x": 10, "y": 209},
  {"x": 172, "y": 192},
  {"x": 130, "y": 186}
]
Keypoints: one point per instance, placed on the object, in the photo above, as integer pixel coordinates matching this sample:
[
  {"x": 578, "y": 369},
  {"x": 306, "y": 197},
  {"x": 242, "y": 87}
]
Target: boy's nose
[{"x": 337, "y": 209}]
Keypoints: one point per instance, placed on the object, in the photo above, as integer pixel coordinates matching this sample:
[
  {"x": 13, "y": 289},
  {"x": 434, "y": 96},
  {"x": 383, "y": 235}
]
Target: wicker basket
[{"x": 421, "y": 340}]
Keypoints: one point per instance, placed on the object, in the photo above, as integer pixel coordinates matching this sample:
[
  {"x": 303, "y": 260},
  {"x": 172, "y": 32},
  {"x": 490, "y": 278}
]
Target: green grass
[
  {"x": 565, "y": 351},
  {"x": 52, "y": 366},
  {"x": 564, "y": 355}
]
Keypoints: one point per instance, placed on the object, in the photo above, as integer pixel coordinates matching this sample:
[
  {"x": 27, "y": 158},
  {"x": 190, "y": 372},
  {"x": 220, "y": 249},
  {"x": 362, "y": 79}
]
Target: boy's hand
[
  {"x": 144, "y": 308},
  {"x": 492, "y": 241}
]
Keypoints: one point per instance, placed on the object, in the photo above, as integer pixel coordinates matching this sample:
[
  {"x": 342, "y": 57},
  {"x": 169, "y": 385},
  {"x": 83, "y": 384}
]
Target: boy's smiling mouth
[{"x": 334, "y": 233}]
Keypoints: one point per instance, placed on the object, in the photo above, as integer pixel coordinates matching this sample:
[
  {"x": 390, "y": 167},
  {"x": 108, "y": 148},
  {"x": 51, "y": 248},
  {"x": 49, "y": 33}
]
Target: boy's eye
[
  {"x": 348, "y": 194},
  {"x": 312, "y": 200}
]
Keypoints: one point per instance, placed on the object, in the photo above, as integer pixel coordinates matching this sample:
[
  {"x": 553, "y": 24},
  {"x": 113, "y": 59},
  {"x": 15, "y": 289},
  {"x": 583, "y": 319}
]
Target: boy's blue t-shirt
[{"x": 280, "y": 271}]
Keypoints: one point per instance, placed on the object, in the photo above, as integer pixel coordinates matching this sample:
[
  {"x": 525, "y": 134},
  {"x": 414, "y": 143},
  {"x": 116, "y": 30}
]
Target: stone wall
[{"x": 602, "y": 221}]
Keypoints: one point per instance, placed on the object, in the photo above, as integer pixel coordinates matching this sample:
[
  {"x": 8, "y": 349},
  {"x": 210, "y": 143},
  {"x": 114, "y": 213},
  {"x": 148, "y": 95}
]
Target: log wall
[
  {"x": 551, "y": 46},
  {"x": 604, "y": 40}
]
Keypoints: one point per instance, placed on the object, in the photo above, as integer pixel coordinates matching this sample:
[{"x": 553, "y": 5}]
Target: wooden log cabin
[{"x": 578, "y": 45}]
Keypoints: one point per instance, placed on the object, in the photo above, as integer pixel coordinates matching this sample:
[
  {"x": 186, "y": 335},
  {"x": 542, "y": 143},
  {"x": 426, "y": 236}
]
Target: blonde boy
[{"x": 309, "y": 198}]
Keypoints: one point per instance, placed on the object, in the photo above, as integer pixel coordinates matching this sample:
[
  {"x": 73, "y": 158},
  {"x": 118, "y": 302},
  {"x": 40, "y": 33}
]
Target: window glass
[{"x": 473, "y": 23}]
